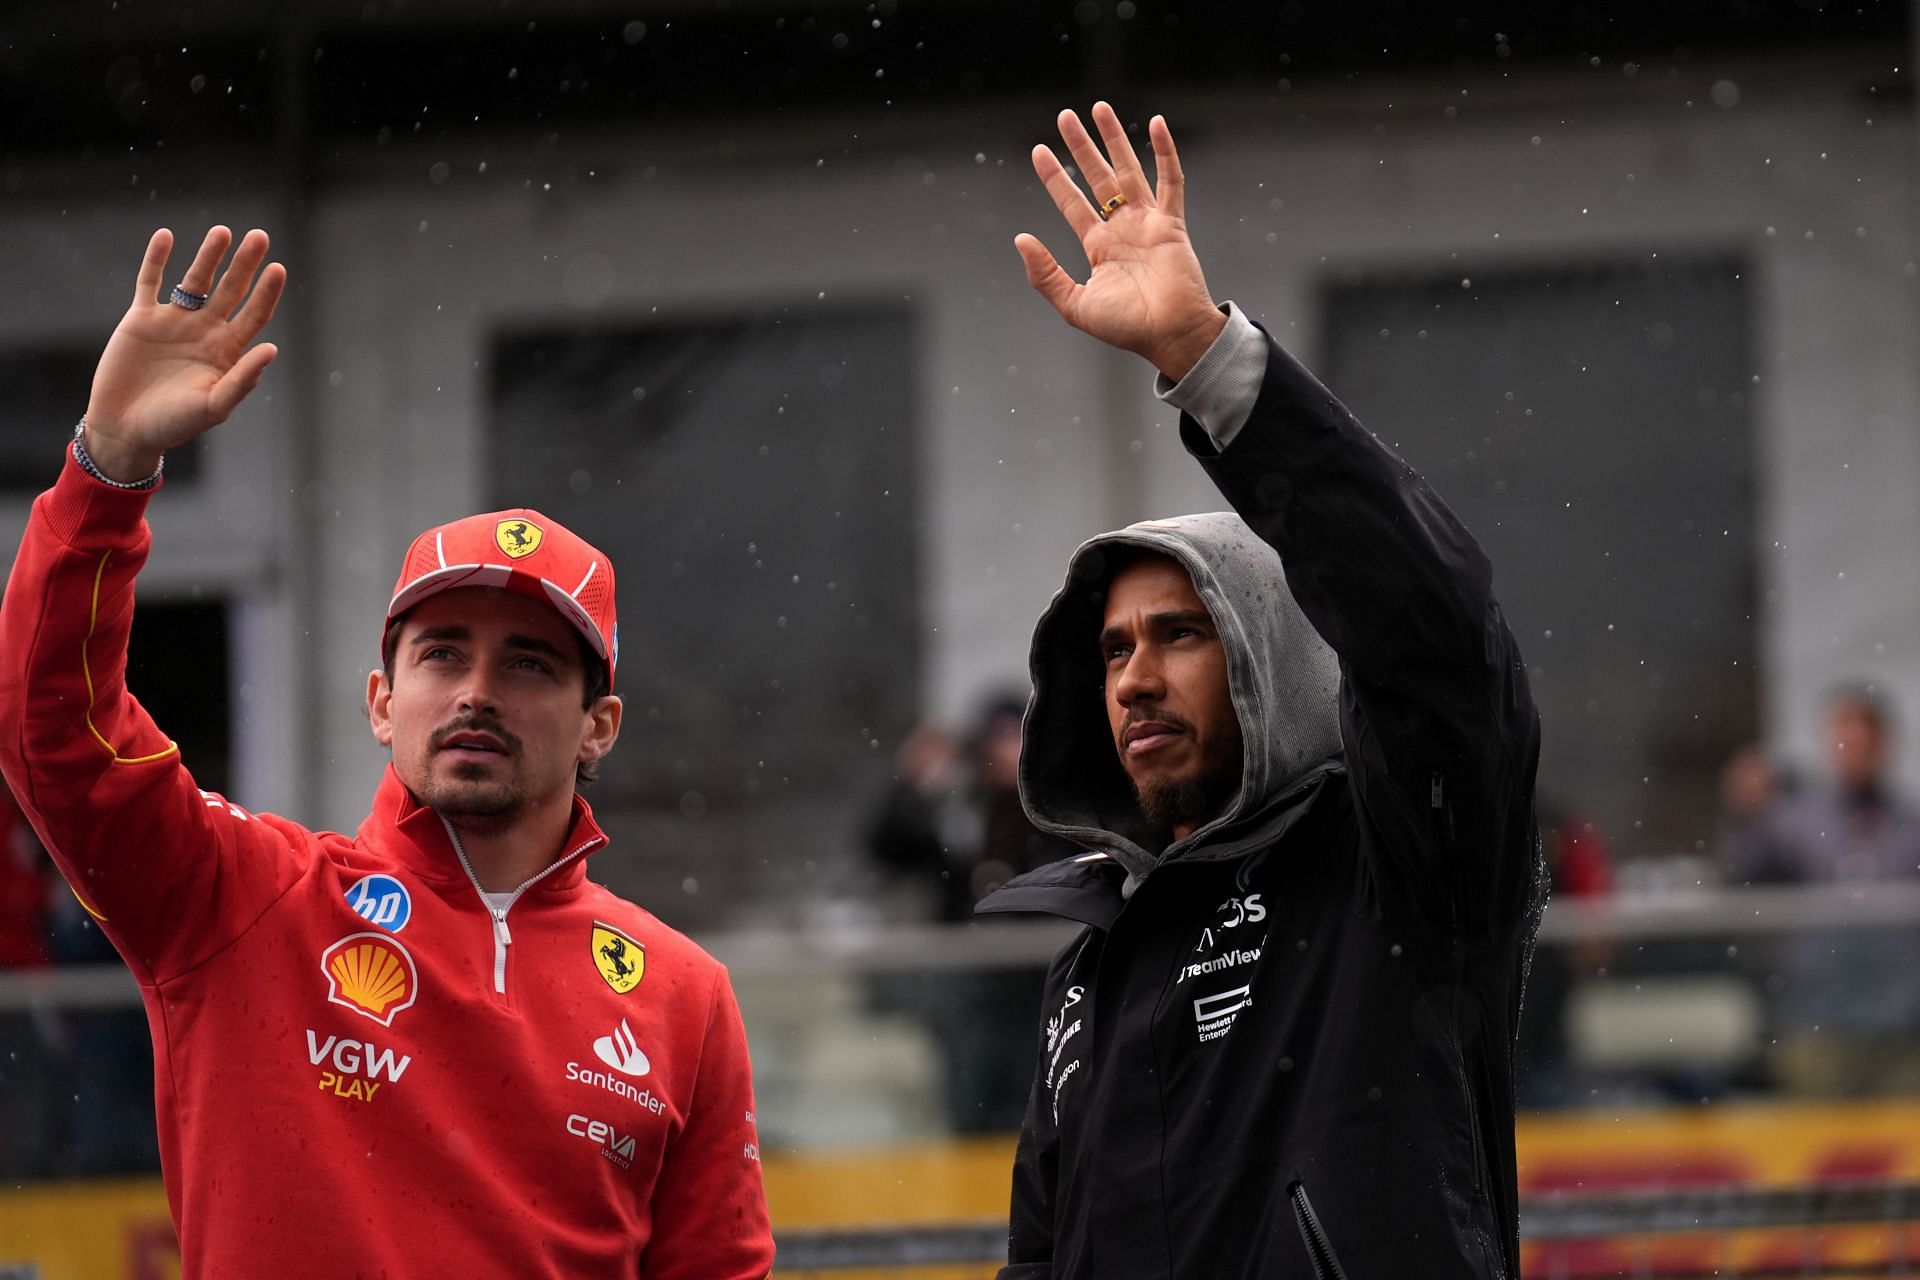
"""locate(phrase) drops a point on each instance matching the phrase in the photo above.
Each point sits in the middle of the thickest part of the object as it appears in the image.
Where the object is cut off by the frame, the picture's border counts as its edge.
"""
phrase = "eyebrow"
(515, 640)
(1159, 621)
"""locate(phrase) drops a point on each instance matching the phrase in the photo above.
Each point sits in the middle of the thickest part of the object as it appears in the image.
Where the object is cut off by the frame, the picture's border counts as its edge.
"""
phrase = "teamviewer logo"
(621, 1051)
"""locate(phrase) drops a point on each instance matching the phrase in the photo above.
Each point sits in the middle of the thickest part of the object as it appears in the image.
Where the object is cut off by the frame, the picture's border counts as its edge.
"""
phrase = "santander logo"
(621, 1051)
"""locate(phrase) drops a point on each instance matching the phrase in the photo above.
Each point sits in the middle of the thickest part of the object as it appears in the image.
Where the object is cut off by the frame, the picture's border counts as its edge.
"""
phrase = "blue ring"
(186, 301)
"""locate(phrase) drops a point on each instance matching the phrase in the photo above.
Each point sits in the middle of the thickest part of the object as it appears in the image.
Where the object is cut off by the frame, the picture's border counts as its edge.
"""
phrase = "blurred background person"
(949, 830)
(1847, 1018)
(950, 826)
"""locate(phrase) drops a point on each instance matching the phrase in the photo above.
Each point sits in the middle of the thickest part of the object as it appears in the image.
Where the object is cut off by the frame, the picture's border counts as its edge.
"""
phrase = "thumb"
(238, 381)
(1045, 275)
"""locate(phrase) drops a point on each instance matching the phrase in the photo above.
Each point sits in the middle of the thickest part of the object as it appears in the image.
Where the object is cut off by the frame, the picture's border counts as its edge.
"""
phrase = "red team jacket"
(360, 1071)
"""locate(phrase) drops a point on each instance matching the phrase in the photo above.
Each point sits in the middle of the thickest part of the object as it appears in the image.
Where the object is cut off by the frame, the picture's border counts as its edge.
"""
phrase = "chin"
(467, 796)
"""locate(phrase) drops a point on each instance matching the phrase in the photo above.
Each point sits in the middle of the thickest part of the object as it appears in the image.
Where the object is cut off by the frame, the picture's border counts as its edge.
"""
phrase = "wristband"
(92, 468)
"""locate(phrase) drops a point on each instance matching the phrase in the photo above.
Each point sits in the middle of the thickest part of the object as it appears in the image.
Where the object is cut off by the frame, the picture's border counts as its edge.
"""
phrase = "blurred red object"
(23, 890)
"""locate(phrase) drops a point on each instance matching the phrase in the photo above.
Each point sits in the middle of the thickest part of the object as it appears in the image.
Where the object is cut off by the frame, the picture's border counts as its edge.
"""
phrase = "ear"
(380, 707)
(603, 727)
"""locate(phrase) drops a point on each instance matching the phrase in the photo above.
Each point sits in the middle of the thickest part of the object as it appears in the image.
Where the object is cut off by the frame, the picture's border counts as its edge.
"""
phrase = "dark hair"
(595, 687)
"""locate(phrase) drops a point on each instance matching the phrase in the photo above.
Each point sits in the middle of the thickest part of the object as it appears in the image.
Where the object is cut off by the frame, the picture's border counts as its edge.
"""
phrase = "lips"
(473, 742)
(1148, 735)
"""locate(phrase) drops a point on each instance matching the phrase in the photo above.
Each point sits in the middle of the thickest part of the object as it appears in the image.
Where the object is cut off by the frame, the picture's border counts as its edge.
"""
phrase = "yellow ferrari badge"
(518, 537)
(621, 960)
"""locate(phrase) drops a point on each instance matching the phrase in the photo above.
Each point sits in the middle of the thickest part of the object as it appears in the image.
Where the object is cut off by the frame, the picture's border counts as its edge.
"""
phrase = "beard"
(1172, 803)
(474, 800)
(474, 803)
(1185, 802)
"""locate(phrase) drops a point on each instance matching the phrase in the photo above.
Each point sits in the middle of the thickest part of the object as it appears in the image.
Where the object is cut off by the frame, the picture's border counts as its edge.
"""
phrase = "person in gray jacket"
(1847, 1029)
(1297, 743)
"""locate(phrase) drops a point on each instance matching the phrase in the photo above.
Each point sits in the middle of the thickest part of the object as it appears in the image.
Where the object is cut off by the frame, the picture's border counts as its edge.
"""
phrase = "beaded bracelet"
(92, 468)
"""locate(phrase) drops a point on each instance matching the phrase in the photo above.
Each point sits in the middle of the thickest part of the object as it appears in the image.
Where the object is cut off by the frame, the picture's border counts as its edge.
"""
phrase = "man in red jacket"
(432, 1048)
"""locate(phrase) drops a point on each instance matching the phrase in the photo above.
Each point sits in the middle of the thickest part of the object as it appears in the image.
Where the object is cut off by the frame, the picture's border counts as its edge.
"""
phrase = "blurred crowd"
(1816, 1012)
(1836, 1011)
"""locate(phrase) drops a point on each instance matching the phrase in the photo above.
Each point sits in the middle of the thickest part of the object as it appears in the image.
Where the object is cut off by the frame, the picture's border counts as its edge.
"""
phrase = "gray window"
(1590, 423)
(753, 479)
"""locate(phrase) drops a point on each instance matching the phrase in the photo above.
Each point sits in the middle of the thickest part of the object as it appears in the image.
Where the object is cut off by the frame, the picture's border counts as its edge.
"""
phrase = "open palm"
(169, 373)
(1145, 291)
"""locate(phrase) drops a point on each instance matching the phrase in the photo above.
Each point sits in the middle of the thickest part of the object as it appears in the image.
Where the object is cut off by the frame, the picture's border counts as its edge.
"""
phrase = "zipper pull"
(1438, 798)
(501, 933)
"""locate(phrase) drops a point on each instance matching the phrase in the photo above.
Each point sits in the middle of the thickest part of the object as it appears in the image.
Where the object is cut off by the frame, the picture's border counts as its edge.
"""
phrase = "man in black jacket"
(1283, 1045)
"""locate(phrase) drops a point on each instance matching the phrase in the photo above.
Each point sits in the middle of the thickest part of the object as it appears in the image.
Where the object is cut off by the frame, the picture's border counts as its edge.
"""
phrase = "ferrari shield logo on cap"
(518, 537)
(621, 960)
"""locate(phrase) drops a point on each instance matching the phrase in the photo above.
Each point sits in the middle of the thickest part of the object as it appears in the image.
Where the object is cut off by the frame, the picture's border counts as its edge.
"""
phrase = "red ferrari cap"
(520, 550)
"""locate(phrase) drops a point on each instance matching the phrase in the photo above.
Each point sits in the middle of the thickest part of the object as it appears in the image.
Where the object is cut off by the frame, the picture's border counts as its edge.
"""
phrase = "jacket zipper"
(1326, 1265)
(503, 936)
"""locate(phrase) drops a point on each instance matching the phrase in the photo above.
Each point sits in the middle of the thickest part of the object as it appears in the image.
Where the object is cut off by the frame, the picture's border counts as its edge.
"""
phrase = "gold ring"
(1108, 205)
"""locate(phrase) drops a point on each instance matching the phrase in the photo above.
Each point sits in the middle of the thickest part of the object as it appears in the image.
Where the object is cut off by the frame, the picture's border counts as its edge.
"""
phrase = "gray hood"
(1284, 679)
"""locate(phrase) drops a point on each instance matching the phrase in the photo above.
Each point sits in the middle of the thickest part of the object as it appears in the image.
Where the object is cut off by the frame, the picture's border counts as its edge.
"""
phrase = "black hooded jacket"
(1283, 1046)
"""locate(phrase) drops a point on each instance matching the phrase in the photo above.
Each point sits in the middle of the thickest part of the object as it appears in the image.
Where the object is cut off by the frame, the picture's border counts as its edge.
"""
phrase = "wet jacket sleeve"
(173, 873)
(1439, 727)
(710, 1203)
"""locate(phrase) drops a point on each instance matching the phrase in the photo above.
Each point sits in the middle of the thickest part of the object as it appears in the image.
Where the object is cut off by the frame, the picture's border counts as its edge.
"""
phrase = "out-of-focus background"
(729, 288)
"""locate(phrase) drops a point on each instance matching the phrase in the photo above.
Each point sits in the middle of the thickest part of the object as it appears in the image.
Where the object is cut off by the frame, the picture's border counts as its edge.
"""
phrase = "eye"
(526, 662)
(435, 652)
(1113, 653)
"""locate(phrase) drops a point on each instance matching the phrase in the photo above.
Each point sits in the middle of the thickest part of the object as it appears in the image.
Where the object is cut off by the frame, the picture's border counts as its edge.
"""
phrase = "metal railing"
(1025, 944)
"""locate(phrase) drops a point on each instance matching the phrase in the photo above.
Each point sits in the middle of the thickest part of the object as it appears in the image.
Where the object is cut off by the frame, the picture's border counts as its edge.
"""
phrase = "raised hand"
(169, 373)
(1145, 293)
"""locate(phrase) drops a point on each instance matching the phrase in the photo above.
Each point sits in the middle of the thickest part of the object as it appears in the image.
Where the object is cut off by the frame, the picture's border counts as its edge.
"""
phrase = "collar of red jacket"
(408, 832)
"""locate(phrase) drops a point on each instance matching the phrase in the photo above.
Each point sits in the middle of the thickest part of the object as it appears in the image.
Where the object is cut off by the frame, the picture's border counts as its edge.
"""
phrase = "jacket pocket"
(1326, 1264)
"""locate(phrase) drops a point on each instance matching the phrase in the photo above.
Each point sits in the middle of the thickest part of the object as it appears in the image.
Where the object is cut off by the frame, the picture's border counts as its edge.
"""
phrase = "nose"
(477, 694)
(1140, 678)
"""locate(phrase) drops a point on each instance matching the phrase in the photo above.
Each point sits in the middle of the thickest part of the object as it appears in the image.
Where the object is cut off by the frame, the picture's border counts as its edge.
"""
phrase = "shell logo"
(371, 974)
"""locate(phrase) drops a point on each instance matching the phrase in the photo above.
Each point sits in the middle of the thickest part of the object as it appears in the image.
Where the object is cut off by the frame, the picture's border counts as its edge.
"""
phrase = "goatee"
(1188, 802)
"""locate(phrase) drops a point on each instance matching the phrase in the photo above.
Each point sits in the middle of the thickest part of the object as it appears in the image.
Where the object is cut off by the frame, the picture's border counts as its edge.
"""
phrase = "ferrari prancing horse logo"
(518, 537)
(621, 960)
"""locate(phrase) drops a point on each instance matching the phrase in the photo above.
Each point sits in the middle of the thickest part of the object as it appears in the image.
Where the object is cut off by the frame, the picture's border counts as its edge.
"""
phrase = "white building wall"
(1032, 437)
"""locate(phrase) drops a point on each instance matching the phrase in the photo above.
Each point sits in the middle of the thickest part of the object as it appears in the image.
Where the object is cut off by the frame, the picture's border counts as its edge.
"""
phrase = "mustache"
(477, 724)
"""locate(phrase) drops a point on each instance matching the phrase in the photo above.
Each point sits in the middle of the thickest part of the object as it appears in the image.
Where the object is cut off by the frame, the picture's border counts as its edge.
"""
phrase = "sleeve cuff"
(1219, 392)
(79, 506)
